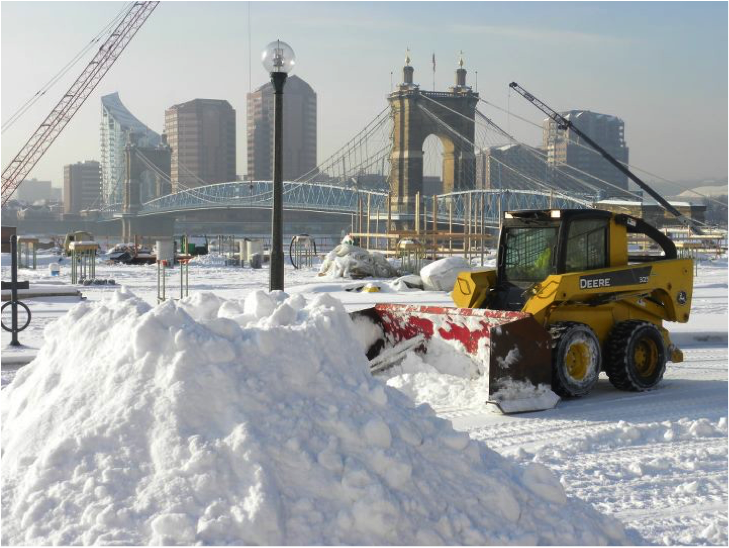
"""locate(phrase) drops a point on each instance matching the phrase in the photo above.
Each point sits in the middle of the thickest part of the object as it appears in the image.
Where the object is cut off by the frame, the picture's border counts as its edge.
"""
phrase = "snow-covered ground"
(657, 461)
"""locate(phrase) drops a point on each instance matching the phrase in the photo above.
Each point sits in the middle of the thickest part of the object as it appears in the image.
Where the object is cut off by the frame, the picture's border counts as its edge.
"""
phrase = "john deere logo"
(633, 276)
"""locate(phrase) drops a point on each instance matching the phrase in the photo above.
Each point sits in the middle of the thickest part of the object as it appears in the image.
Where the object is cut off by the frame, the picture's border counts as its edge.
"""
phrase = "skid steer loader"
(565, 301)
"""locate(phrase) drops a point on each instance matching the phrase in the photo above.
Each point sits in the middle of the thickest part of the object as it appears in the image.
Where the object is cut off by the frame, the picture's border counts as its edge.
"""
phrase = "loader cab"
(534, 244)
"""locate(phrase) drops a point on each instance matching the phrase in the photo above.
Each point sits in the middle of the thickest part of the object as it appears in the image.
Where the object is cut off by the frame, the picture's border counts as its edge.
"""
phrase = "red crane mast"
(19, 168)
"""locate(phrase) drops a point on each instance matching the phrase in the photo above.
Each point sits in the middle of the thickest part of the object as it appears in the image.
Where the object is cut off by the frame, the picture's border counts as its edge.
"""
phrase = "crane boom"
(19, 168)
(563, 124)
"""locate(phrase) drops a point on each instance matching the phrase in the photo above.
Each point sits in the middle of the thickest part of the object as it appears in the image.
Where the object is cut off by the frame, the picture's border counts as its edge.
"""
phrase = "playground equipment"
(28, 248)
(302, 251)
(83, 260)
(78, 236)
(411, 254)
(162, 266)
(194, 245)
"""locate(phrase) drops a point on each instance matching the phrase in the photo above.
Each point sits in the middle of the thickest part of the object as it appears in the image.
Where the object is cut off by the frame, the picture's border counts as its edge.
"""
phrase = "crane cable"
(7, 124)
(530, 122)
(492, 123)
(523, 175)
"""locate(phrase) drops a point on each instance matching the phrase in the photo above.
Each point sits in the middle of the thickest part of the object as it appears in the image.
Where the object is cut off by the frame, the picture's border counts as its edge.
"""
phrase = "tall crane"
(564, 124)
(19, 168)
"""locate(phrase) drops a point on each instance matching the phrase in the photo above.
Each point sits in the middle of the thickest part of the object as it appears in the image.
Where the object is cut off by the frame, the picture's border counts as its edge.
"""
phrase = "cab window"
(586, 245)
(529, 253)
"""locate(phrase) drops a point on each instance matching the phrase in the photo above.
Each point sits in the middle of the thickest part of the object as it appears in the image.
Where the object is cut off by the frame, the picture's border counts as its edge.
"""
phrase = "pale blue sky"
(661, 66)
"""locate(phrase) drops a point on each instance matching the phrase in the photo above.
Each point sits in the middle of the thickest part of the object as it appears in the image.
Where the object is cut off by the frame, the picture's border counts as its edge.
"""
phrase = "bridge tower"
(413, 124)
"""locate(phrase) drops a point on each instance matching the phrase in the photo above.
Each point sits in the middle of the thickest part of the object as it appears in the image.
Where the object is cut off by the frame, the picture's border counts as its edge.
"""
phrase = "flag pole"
(433, 71)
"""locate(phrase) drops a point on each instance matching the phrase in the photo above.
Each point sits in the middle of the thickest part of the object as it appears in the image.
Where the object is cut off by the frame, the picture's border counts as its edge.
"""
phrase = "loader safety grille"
(530, 253)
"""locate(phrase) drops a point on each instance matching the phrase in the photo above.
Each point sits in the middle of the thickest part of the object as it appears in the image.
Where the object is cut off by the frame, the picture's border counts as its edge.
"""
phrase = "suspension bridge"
(380, 170)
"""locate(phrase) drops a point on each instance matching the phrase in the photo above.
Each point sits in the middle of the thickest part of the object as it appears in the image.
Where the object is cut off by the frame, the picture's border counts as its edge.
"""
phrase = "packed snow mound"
(350, 261)
(441, 275)
(250, 422)
(209, 259)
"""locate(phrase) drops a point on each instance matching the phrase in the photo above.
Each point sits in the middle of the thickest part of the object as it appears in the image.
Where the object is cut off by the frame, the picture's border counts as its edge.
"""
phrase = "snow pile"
(441, 275)
(349, 261)
(250, 422)
(409, 282)
(209, 259)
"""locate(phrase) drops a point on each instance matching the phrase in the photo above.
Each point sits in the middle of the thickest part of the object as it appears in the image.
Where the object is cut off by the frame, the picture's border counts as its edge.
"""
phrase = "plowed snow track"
(609, 449)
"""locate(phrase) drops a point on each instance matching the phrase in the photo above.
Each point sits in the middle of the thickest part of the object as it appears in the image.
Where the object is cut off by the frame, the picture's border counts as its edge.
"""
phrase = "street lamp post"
(278, 59)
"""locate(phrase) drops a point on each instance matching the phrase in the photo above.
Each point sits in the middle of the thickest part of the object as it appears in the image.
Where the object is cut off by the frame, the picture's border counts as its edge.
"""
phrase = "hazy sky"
(661, 66)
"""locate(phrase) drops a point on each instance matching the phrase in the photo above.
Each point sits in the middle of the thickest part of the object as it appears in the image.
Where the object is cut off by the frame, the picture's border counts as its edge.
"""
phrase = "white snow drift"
(441, 275)
(250, 422)
(350, 261)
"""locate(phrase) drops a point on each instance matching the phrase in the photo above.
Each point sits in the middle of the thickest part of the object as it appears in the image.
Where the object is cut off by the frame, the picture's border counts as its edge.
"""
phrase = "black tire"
(576, 359)
(635, 356)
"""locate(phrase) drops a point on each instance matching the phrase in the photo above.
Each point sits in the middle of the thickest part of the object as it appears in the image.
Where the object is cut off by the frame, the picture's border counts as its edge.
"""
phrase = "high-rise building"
(81, 186)
(201, 133)
(32, 190)
(565, 149)
(511, 167)
(299, 135)
(116, 124)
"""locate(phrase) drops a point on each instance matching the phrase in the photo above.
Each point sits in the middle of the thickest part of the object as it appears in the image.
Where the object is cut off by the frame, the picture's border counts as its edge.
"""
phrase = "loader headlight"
(555, 214)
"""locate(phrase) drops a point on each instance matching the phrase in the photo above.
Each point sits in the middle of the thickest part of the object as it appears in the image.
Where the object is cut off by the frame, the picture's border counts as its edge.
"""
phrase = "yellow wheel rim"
(577, 360)
(645, 357)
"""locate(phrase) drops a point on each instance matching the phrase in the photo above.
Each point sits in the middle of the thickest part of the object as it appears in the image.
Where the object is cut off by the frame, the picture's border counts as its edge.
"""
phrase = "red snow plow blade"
(510, 347)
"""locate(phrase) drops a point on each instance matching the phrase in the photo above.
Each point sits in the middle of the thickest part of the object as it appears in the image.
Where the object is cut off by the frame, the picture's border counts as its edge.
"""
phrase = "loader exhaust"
(510, 347)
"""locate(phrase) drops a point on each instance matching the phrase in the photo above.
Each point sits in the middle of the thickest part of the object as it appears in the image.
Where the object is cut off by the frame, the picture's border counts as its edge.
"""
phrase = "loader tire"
(576, 358)
(635, 356)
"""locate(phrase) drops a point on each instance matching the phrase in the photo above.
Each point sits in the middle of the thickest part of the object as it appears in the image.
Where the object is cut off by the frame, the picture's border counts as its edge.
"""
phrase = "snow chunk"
(441, 275)
(540, 480)
(350, 261)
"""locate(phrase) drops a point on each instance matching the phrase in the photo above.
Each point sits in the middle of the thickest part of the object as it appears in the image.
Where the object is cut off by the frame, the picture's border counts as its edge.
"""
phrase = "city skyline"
(660, 67)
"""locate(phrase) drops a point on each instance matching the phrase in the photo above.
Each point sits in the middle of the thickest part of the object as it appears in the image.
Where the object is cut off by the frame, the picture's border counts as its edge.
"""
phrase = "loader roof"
(556, 213)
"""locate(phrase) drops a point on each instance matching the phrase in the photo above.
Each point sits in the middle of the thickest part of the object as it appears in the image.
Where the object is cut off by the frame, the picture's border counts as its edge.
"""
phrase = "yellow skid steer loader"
(565, 301)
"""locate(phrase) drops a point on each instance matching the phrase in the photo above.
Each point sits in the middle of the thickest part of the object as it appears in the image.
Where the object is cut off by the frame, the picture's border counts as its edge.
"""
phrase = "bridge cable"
(521, 174)
(543, 185)
(499, 129)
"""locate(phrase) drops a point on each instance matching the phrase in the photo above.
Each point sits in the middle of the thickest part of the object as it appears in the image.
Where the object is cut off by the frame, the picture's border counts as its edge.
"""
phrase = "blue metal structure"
(327, 198)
